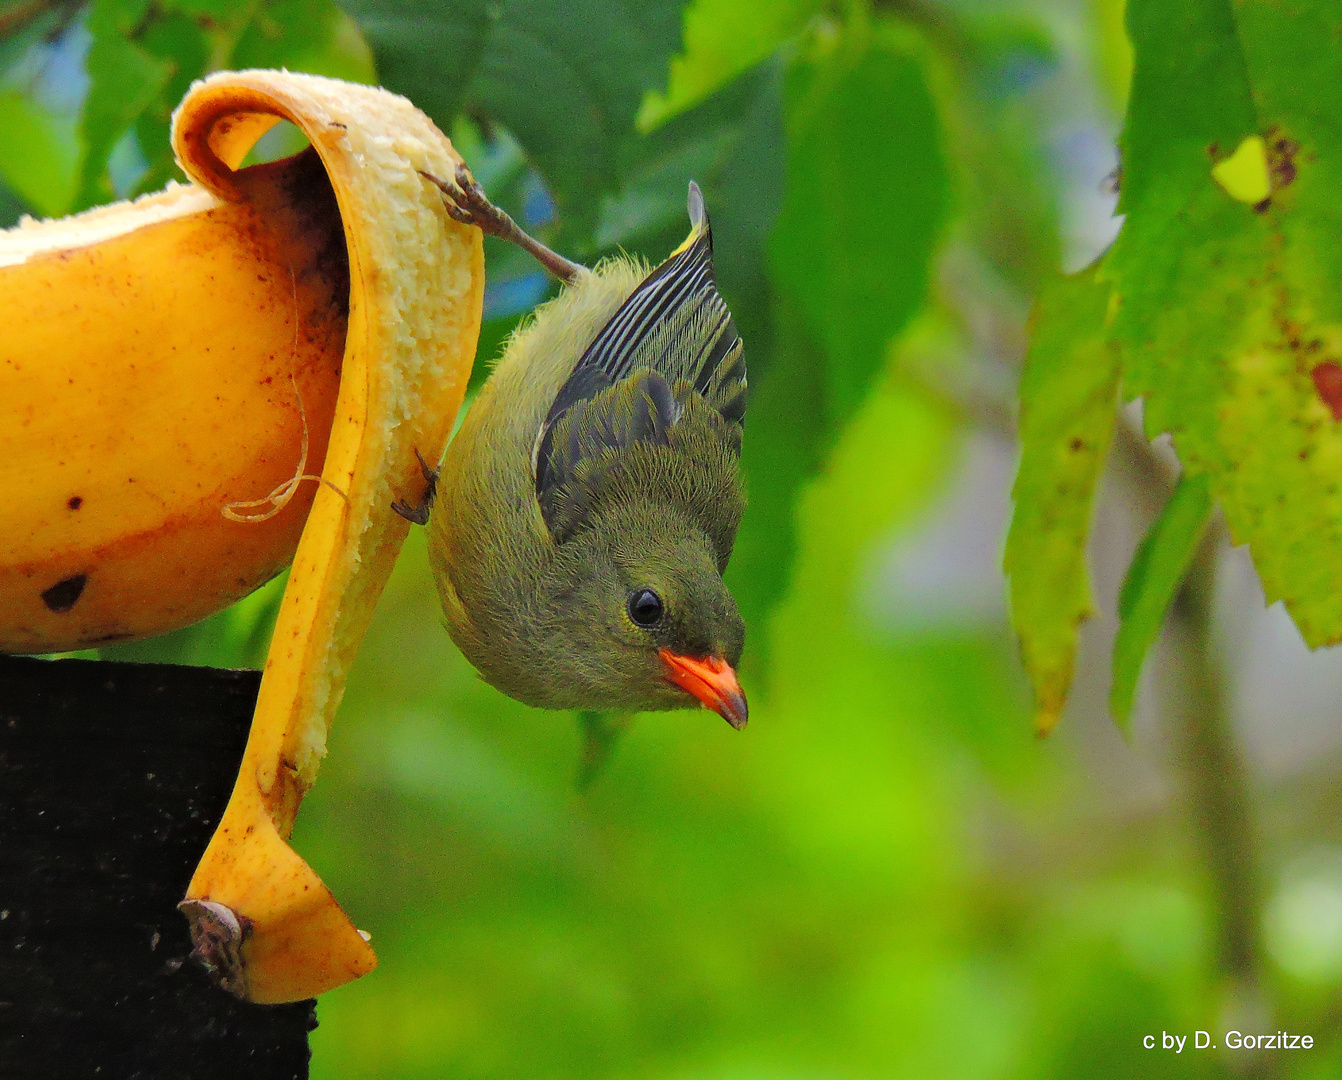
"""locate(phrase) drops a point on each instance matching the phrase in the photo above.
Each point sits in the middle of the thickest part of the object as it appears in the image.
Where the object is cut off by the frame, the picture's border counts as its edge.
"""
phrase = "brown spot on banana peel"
(63, 596)
(416, 288)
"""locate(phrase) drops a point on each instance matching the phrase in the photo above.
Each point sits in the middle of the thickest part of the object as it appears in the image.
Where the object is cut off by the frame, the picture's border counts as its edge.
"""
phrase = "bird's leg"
(420, 514)
(466, 202)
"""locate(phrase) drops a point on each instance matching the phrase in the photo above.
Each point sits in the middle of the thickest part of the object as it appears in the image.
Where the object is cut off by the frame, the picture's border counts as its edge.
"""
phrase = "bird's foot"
(465, 201)
(419, 515)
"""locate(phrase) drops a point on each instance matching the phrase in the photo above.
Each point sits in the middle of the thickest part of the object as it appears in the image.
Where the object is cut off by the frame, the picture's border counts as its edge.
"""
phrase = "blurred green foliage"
(886, 875)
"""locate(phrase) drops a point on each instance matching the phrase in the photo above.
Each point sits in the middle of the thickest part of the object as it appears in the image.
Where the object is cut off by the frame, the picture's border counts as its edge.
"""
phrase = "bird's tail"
(699, 225)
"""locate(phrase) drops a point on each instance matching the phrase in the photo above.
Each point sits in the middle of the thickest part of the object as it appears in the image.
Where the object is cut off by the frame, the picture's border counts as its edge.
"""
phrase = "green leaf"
(723, 39)
(786, 442)
(647, 214)
(1068, 395)
(1006, 188)
(313, 36)
(851, 265)
(867, 194)
(566, 86)
(429, 51)
(182, 44)
(144, 57)
(124, 79)
(735, 145)
(217, 10)
(1153, 579)
(38, 158)
(12, 207)
(1230, 314)
(747, 192)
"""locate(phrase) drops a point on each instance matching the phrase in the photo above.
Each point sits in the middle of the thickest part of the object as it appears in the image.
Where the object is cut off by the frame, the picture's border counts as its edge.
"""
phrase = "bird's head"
(648, 618)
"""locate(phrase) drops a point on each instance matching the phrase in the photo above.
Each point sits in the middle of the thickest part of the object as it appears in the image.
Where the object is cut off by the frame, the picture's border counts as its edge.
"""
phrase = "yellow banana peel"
(163, 359)
(152, 360)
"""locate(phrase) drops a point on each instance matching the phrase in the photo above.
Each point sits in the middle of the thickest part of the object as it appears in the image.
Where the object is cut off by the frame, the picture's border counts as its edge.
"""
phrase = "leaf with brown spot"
(1328, 382)
(1227, 313)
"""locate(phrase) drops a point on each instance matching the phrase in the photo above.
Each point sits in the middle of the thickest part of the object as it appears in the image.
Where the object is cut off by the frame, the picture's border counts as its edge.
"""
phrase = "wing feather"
(673, 331)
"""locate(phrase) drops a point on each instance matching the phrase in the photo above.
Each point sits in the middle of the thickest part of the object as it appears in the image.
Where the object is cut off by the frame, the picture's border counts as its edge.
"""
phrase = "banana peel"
(416, 293)
(373, 380)
(157, 362)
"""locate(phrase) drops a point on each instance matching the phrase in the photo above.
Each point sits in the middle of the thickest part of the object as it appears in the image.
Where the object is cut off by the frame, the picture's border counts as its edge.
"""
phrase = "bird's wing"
(672, 335)
(586, 442)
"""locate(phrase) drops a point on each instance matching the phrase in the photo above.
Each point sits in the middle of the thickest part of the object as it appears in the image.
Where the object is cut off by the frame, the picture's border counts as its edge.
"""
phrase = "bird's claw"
(465, 201)
(456, 213)
(419, 515)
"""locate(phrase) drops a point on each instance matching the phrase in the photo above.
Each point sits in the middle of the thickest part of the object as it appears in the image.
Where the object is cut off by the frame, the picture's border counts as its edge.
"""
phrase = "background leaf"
(1154, 576)
(723, 38)
(124, 79)
(567, 88)
(850, 265)
(854, 259)
(787, 444)
(142, 57)
(306, 35)
(1068, 397)
(37, 158)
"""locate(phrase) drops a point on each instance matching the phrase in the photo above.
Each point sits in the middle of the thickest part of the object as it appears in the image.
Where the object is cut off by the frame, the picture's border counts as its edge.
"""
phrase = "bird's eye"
(645, 607)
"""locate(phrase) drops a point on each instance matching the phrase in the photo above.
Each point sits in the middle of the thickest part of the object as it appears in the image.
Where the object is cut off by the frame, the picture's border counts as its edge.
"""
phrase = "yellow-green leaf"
(1068, 394)
(1230, 306)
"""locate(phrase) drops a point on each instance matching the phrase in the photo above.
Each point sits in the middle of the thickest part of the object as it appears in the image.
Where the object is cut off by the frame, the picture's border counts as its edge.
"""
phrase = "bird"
(588, 505)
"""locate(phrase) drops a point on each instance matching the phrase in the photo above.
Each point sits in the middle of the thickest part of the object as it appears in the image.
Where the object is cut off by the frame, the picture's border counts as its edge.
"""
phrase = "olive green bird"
(593, 493)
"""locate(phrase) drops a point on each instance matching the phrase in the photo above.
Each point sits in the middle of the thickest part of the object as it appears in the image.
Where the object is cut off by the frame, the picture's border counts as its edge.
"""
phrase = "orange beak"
(712, 681)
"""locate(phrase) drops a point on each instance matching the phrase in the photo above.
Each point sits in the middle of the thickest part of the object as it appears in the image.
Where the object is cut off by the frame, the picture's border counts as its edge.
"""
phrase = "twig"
(1219, 800)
